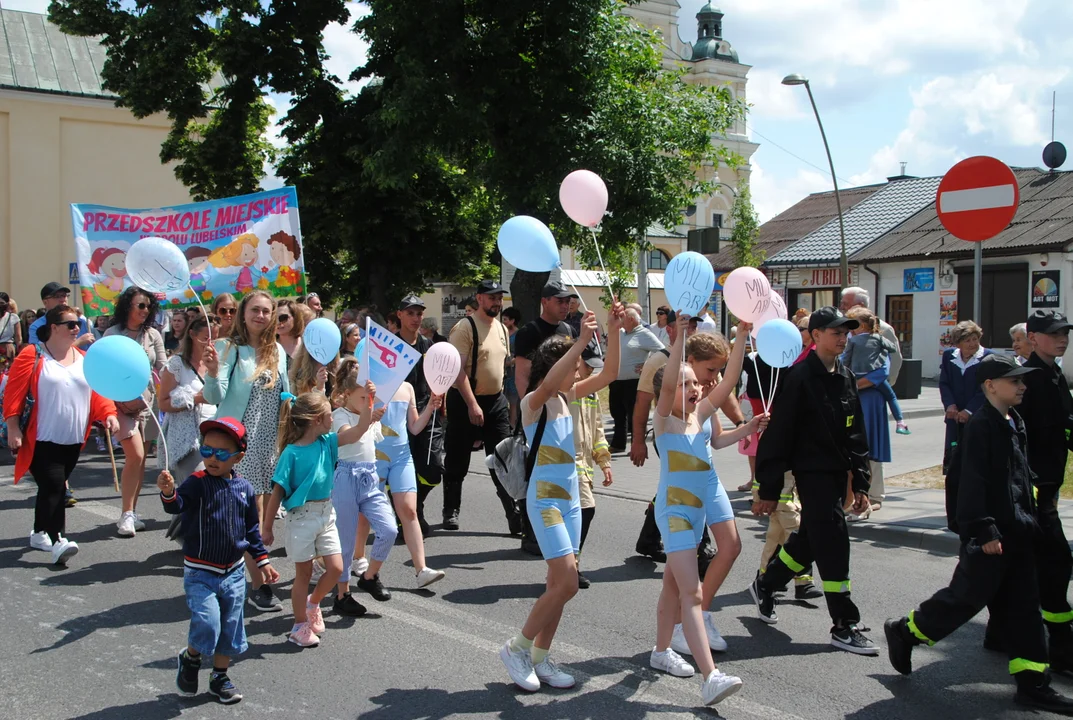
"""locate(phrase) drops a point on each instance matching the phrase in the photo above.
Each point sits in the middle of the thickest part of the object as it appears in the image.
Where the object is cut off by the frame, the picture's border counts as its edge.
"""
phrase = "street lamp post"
(796, 79)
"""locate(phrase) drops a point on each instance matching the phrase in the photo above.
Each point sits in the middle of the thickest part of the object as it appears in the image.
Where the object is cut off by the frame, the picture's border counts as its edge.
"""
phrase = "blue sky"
(927, 82)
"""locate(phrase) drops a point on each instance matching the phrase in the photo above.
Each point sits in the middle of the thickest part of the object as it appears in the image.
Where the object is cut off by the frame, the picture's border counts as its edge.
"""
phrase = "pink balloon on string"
(441, 366)
(776, 311)
(747, 293)
(583, 196)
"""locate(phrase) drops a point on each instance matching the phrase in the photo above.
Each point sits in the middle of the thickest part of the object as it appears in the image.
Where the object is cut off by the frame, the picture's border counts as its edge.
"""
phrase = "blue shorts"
(216, 603)
(680, 514)
(556, 521)
(717, 507)
(397, 474)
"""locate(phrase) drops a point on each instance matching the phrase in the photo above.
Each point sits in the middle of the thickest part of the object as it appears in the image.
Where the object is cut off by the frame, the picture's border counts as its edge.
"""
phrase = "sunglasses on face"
(283, 317)
(71, 324)
(221, 454)
(660, 312)
(226, 311)
(142, 306)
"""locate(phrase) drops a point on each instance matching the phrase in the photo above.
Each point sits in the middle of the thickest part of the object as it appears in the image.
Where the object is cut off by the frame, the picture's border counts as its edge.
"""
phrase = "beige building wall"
(56, 150)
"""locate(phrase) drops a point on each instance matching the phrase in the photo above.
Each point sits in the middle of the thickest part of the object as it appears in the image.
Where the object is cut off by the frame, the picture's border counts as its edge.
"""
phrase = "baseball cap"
(556, 290)
(52, 288)
(591, 357)
(996, 366)
(411, 301)
(829, 317)
(489, 287)
(1047, 321)
(229, 426)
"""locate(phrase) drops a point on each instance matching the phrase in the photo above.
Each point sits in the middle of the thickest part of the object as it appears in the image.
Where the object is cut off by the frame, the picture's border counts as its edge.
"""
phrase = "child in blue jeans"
(868, 351)
(213, 545)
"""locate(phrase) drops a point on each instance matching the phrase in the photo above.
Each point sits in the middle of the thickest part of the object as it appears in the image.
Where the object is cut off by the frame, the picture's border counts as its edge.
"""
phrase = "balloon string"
(581, 300)
(599, 257)
(681, 379)
(203, 310)
(432, 434)
(163, 441)
(759, 385)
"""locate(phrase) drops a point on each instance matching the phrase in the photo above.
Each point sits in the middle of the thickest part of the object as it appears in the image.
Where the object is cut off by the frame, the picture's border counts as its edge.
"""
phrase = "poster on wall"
(1045, 292)
(918, 280)
(948, 316)
(234, 245)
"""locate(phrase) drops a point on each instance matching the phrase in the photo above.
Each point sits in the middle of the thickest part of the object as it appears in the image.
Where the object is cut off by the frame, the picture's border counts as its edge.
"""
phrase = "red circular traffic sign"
(977, 198)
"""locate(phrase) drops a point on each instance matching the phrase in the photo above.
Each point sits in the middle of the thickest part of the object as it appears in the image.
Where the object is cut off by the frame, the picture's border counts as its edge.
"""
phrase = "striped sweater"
(220, 522)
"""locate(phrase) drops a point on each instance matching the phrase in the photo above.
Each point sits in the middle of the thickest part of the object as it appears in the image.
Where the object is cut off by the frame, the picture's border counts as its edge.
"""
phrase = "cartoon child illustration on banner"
(286, 252)
(197, 257)
(109, 262)
(240, 253)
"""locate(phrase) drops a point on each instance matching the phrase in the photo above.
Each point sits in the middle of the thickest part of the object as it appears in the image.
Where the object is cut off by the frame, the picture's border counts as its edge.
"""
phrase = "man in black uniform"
(996, 518)
(817, 432)
(554, 306)
(429, 466)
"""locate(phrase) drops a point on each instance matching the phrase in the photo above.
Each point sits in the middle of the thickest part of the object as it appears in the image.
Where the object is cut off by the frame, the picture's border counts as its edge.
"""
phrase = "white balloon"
(157, 265)
(322, 340)
(441, 367)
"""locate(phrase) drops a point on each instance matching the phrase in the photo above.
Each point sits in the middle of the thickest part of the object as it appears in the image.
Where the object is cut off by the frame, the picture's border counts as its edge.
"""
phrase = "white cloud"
(34, 6)
(770, 98)
(772, 195)
(346, 50)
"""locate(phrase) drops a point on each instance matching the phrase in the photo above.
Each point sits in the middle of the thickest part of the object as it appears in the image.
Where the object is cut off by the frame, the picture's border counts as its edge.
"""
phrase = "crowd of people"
(261, 434)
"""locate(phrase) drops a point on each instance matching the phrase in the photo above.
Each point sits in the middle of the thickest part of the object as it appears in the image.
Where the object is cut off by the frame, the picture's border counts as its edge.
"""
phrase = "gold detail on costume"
(551, 455)
(678, 461)
(550, 491)
(381, 455)
(551, 516)
(388, 432)
(681, 496)
(678, 524)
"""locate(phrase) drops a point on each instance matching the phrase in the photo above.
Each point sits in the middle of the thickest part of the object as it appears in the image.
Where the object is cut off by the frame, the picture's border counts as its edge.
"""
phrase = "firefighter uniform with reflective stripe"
(817, 433)
(590, 451)
(782, 523)
(994, 503)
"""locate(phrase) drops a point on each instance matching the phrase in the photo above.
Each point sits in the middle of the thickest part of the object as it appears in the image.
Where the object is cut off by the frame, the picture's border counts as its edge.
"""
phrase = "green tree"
(746, 230)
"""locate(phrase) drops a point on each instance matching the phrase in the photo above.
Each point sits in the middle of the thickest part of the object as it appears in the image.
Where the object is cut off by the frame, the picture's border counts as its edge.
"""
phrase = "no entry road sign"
(977, 198)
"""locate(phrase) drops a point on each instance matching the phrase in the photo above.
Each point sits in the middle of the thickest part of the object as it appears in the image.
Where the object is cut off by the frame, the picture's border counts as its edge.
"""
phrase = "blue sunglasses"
(221, 454)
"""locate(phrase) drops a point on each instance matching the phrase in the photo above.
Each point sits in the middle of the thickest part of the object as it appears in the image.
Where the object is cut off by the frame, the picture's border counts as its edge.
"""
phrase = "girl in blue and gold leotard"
(552, 500)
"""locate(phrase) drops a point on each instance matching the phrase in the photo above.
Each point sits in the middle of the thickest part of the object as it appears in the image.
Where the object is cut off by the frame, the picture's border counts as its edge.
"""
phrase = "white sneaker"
(715, 639)
(40, 541)
(62, 550)
(520, 668)
(718, 687)
(550, 674)
(125, 527)
(671, 662)
(427, 576)
(678, 641)
(358, 566)
(318, 572)
(138, 524)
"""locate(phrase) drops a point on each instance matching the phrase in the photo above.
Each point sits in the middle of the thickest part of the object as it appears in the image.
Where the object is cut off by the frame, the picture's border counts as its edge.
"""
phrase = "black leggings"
(50, 467)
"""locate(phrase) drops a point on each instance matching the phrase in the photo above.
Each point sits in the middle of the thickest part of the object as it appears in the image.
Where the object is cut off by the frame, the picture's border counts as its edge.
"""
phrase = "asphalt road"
(98, 640)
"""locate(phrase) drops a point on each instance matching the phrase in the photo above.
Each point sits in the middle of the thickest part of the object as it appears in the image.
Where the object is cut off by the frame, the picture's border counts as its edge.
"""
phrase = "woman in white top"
(10, 333)
(134, 315)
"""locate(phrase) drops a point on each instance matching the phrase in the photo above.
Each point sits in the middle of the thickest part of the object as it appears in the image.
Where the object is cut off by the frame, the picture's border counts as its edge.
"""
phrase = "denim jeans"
(216, 603)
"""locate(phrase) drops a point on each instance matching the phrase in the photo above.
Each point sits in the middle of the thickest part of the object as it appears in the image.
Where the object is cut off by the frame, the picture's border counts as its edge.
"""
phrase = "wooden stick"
(111, 455)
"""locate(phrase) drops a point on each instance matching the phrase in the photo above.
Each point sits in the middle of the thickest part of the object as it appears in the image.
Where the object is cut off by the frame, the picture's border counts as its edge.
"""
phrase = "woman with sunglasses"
(224, 307)
(48, 441)
(184, 407)
(290, 324)
(134, 315)
(351, 338)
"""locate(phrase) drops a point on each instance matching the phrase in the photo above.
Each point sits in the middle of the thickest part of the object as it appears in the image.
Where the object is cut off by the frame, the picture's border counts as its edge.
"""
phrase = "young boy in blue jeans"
(210, 500)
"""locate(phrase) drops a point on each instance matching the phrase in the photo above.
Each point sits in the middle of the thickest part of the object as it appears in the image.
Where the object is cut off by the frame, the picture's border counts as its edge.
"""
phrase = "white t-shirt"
(62, 402)
(364, 450)
(188, 380)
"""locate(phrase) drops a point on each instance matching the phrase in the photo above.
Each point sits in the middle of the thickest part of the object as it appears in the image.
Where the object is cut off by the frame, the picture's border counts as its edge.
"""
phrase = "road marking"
(986, 198)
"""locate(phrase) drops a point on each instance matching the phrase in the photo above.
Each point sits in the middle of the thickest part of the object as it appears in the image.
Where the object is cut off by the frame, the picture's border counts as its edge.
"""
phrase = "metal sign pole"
(977, 295)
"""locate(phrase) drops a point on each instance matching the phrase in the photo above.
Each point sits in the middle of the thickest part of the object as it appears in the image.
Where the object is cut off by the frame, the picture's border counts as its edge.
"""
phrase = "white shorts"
(311, 532)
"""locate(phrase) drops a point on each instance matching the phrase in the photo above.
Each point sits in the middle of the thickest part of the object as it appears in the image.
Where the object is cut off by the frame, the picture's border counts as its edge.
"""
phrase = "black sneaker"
(221, 687)
(514, 524)
(186, 677)
(899, 645)
(651, 551)
(348, 606)
(850, 639)
(69, 499)
(808, 591)
(450, 520)
(531, 547)
(765, 602)
(263, 599)
(583, 582)
(1034, 690)
(374, 587)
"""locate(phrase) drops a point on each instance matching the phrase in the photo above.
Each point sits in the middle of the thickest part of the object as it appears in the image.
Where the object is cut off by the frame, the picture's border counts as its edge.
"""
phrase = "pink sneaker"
(304, 636)
(315, 617)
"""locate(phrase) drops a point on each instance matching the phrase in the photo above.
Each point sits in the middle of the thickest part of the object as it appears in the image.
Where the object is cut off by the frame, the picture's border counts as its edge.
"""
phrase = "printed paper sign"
(386, 359)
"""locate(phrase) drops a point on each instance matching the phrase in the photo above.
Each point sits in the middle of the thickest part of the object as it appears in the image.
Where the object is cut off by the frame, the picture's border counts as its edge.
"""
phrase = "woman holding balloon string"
(48, 441)
(247, 372)
(134, 315)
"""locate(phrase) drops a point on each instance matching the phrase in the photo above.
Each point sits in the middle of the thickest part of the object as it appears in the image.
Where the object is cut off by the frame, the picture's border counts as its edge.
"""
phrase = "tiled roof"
(865, 222)
(35, 55)
(656, 230)
(1044, 221)
(797, 221)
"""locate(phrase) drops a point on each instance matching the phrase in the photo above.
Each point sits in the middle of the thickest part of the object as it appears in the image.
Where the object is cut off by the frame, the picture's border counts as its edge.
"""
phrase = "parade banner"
(234, 245)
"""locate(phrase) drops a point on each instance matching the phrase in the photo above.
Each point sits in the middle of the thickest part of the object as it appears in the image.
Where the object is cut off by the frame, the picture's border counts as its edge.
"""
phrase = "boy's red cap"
(229, 426)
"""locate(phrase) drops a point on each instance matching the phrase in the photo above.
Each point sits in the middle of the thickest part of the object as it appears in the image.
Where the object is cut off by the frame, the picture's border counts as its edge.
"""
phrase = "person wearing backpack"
(553, 498)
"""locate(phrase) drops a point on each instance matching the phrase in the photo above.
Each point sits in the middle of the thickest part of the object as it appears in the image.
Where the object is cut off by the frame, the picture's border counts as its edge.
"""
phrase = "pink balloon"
(747, 293)
(583, 196)
(776, 311)
(442, 364)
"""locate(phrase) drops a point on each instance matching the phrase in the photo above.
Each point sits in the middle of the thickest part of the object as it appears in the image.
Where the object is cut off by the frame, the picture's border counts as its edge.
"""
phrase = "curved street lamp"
(797, 79)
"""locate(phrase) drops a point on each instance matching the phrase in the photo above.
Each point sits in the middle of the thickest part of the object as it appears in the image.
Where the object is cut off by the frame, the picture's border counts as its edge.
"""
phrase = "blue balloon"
(322, 340)
(527, 244)
(778, 342)
(688, 282)
(117, 368)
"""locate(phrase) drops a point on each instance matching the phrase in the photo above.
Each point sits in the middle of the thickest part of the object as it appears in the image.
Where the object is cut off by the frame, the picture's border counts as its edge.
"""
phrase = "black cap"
(997, 365)
(411, 301)
(1047, 321)
(489, 287)
(556, 290)
(591, 356)
(52, 288)
(829, 317)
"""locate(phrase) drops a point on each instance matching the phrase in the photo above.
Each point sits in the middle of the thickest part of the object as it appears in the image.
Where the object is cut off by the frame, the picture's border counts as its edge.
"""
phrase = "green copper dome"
(710, 43)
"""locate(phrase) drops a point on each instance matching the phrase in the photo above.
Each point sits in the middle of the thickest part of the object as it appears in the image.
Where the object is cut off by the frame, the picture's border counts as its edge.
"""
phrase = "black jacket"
(816, 427)
(995, 483)
(1047, 410)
